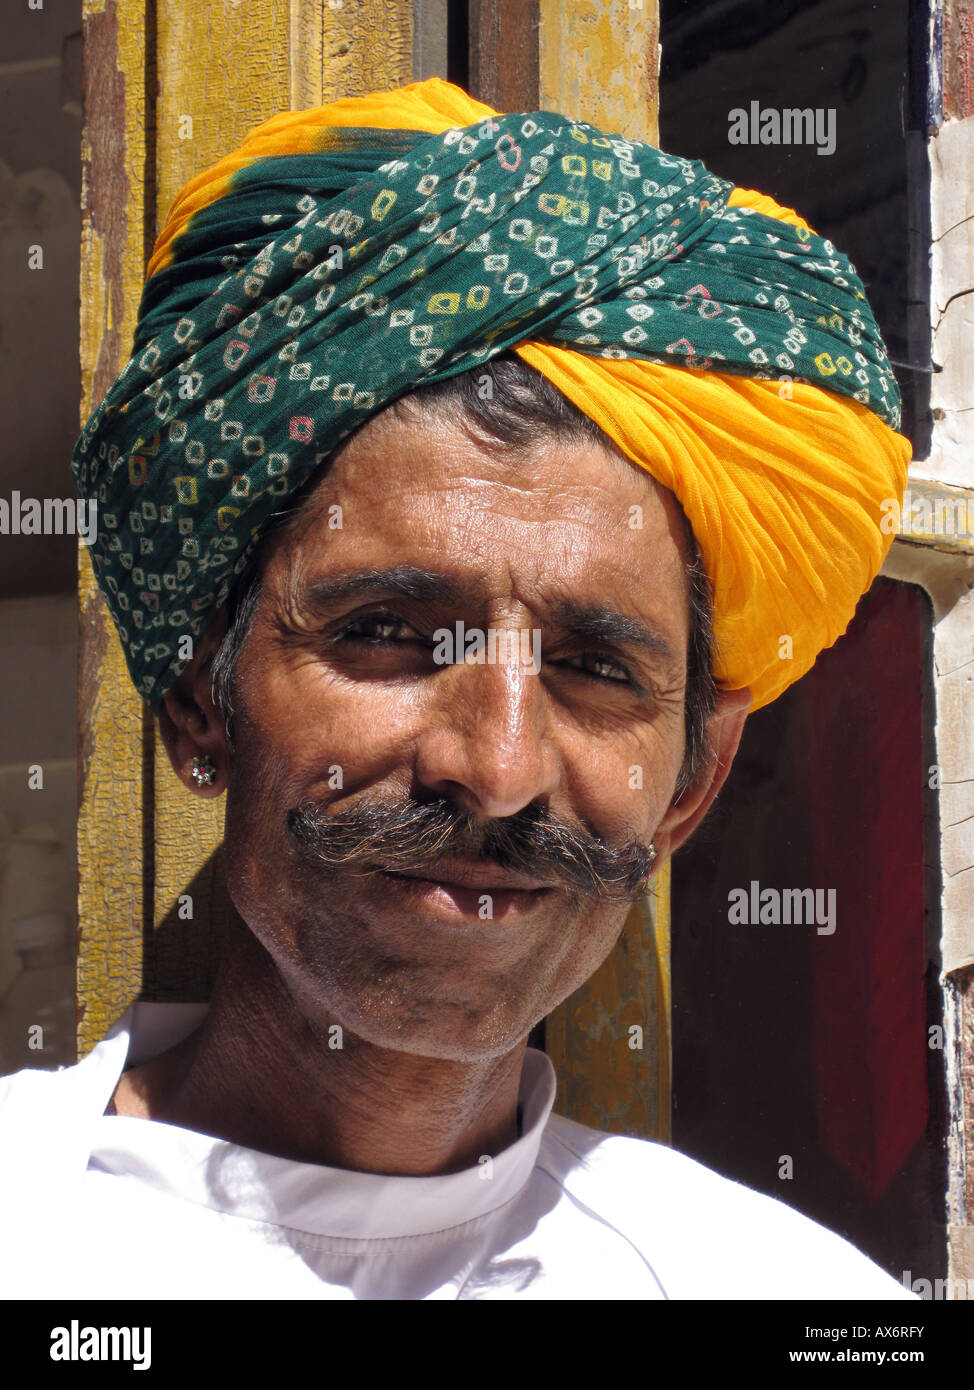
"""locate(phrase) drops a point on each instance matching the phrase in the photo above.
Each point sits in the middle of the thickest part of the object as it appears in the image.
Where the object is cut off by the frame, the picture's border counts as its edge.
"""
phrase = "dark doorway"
(807, 1036)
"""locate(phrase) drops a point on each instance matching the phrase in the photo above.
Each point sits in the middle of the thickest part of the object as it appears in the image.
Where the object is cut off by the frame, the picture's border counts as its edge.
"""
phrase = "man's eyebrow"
(406, 581)
(598, 624)
(592, 622)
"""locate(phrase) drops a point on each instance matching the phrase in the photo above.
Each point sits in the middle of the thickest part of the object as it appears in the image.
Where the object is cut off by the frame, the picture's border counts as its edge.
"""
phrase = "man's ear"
(688, 809)
(190, 724)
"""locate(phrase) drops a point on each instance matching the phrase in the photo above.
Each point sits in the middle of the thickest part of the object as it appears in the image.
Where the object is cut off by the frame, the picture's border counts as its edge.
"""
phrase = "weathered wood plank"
(935, 514)
(610, 1041)
(348, 47)
(222, 70)
(504, 55)
(110, 770)
(599, 61)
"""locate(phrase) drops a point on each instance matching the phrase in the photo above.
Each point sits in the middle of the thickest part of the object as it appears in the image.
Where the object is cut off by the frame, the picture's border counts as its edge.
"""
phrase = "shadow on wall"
(182, 955)
(38, 817)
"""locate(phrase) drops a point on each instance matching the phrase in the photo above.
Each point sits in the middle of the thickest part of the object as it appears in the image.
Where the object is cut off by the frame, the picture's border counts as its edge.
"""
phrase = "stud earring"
(203, 771)
(649, 873)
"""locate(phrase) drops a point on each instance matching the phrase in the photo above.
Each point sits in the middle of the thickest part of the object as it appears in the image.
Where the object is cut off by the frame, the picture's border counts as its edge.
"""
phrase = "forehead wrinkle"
(486, 482)
(508, 464)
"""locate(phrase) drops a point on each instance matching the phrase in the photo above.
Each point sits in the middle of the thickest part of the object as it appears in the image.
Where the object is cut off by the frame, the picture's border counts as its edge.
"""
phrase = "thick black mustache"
(415, 834)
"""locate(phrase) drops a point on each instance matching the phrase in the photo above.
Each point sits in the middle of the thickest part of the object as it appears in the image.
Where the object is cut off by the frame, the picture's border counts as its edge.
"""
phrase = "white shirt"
(109, 1207)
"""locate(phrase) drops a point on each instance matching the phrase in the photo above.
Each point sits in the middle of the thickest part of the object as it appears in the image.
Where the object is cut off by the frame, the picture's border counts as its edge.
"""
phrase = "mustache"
(414, 835)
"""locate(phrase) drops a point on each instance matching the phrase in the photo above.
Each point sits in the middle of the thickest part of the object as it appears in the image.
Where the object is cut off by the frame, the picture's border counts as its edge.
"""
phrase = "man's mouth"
(474, 889)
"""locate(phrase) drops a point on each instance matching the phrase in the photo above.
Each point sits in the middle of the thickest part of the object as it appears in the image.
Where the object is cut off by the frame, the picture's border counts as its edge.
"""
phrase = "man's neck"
(259, 1072)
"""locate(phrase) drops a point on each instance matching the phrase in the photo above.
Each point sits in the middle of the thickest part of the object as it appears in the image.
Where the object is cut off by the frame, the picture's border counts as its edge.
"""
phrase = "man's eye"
(375, 629)
(378, 628)
(604, 668)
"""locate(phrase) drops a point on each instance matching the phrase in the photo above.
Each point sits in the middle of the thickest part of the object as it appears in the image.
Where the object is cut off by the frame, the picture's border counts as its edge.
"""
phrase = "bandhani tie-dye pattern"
(305, 290)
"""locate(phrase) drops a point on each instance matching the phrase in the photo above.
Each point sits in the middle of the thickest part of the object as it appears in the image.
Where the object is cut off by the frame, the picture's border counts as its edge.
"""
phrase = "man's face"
(339, 704)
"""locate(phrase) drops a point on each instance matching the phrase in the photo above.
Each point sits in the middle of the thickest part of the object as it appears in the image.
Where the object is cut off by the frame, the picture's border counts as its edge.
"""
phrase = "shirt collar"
(310, 1197)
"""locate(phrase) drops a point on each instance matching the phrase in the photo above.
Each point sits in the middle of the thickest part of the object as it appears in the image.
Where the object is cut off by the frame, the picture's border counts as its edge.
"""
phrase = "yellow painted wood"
(110, 814)
(938, 515)
(110, 887)
(217, 80)
(346, 47)
(306, 41)
(599, 62)
(610, 1041)
(661, 909)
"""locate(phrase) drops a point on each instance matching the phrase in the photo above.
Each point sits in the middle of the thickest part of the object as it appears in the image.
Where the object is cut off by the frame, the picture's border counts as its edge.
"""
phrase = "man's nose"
(488, 742)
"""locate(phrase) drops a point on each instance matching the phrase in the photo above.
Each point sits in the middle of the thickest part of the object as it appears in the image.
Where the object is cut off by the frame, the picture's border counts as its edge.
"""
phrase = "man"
(323, 471)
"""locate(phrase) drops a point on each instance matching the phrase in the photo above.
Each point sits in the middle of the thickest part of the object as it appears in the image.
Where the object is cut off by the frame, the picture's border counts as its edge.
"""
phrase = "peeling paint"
(958, 59)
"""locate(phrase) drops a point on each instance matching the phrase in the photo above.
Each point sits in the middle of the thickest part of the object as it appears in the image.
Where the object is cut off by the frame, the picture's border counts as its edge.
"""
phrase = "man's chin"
(435, 1047)
(450, 1036)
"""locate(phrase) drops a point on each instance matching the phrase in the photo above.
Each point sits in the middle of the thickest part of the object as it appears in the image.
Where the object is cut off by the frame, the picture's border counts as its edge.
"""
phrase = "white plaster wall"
(952, 302)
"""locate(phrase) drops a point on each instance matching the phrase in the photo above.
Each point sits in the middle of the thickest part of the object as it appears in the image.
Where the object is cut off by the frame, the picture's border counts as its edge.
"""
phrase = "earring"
(203, 771)
(652, 860)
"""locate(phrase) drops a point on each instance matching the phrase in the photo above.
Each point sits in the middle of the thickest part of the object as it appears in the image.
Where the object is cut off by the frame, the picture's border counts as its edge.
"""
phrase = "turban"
(346, 254)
